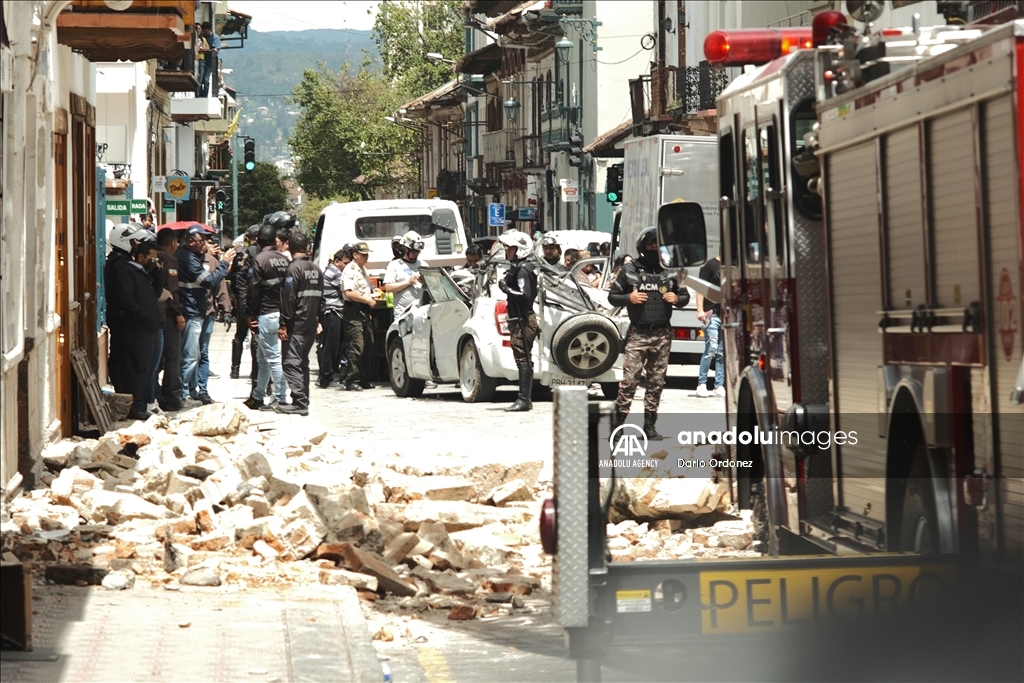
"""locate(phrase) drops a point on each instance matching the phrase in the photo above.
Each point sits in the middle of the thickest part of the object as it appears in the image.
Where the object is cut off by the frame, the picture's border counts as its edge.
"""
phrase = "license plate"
(767, 600)
(559, 380)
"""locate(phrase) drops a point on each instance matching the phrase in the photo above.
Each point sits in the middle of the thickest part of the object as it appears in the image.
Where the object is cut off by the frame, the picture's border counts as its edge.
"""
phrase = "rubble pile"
(214, 498)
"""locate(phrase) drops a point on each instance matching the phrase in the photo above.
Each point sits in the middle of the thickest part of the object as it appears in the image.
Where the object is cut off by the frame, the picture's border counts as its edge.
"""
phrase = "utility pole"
(234, 180)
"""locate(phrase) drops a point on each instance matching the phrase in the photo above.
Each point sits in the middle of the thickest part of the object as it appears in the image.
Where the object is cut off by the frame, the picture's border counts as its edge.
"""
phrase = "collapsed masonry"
(212, 497)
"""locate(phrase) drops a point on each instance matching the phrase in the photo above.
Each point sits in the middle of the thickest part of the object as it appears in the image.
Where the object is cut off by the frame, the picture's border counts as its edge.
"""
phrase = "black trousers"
(238, 343)
(138, 365)
(170, 387)
(329, 353)
(358, 342)
(295, 362)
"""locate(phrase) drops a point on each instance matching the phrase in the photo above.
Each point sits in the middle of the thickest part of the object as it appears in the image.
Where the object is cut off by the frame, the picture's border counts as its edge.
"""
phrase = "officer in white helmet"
(402, 276)
(520, 286)
(122, 239)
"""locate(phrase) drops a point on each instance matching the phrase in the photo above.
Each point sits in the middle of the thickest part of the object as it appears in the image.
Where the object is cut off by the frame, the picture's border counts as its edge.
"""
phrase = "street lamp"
(564, 49)
(512, 109)
(437, 57)
(459, 145)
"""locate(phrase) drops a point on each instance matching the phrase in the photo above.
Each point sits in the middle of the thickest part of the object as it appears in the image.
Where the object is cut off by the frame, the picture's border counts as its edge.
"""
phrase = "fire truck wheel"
(919, 526)
(586, 345)
(401, 383)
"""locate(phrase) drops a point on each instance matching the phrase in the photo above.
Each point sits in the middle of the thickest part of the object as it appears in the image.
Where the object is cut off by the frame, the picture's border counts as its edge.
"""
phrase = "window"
(806, 202)
(752, 197)
(772, 179)
(386, 227)
(727, 183)
(440, 287)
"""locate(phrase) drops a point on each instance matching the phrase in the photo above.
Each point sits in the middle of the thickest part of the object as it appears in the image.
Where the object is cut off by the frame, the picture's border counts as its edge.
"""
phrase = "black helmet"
(252, 233)
(647, 236)
(266, 235)
(280, 220)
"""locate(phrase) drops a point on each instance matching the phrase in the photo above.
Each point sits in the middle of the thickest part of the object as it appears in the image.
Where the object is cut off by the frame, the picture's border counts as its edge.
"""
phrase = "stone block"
(263, 549)
(343, 577)
(455, 515)
(200, 576)
(387, 579)
(178, 483)
(221, 483)
(301, 508)
(259, 504)
(358, 529)
(219, 419)
(254, 465)
(218, 540)
(440, 582)
(298, 539)
(513, 491)
(137, 433)
(400, 547)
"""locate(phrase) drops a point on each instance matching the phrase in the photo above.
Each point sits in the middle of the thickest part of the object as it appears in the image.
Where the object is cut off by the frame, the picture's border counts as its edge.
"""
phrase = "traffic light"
(577, 159)
(250, 154)
(222, 201)
(613, 184)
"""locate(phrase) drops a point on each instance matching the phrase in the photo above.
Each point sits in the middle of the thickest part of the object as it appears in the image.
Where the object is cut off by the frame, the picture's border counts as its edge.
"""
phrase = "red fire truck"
(872, 248)
(872, 252)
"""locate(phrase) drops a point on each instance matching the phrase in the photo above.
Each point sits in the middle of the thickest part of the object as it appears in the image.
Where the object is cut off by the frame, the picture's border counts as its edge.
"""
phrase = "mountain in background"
(271, 64)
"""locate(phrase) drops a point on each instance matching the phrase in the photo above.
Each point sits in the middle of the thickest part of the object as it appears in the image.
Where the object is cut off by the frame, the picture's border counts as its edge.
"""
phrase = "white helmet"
(122, 236)
(515, 238)
(412, 240)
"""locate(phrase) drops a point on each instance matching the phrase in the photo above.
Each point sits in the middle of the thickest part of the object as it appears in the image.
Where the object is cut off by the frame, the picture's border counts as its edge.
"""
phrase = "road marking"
(435, 666)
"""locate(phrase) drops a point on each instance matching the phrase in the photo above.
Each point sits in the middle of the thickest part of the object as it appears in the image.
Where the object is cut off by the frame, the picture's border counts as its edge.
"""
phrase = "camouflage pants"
(522, 345)
(646, 349)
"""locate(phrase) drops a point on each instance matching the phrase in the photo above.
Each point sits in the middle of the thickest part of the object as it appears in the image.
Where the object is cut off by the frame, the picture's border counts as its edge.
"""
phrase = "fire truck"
(872, 250)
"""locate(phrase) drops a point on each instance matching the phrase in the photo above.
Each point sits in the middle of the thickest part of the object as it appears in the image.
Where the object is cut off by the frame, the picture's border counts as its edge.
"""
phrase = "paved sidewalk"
(313, 634)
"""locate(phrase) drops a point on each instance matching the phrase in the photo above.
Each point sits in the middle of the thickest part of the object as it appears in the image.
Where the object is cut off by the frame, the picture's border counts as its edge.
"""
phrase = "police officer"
(402, 276)
(238, 273)
(169, 398)
(262, 294)
(552, 253)
(332, 308)
(520, 286)
(138, 318)
(649, 296)
(122, 240)
(300, 307)
(360, 298)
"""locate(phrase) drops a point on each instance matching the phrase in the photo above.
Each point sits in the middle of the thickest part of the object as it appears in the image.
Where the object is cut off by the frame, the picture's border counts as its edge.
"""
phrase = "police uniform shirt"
(355, 278)
(401, 270)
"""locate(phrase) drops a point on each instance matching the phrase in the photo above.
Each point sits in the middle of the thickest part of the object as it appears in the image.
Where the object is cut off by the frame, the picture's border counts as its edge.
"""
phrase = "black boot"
(618, 418)
(523, 402)
(649, 420)
(236, 356)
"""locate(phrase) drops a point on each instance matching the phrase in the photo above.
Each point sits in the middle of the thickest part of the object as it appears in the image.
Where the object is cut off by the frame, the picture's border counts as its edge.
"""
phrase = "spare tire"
(586, 345)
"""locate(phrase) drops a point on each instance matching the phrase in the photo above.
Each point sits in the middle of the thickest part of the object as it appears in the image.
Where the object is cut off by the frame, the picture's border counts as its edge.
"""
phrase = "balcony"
(529, 156)
(185, 109)
(498, 148)
(148, 29)
(179, 76)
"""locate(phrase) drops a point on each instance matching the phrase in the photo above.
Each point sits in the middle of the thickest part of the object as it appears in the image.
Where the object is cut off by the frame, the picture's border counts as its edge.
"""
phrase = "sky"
(298, 15)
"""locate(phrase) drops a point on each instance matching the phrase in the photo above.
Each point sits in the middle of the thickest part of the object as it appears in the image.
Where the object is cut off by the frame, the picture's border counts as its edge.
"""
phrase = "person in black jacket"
(649, 295)
(262, 296)
(300, 308)
(238, 273)
(122, 240)
(520, 286)
(169, 396)
(139, 318)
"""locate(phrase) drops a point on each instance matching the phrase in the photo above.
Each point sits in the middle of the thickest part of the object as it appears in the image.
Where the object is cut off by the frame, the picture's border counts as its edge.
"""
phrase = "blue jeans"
(203, 371)
(712, 351)
(268, 355)
(190, 354)
(157, 357)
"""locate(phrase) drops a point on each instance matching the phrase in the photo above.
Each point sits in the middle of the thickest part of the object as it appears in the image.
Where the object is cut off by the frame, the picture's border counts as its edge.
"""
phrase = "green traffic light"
(250, 165)
(613, 196)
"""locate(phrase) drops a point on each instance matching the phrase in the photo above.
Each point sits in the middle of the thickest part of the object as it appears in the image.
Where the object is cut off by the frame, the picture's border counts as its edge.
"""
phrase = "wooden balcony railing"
(148, 29)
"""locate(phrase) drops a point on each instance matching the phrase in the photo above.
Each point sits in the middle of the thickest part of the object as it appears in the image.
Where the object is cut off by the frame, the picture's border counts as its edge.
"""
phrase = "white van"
(375, 222)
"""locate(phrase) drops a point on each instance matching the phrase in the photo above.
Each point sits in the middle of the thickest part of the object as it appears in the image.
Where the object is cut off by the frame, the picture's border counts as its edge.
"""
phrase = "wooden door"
(63, 336)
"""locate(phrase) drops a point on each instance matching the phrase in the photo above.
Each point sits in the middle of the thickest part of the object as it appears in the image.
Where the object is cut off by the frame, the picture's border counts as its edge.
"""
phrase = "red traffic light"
(754, 46)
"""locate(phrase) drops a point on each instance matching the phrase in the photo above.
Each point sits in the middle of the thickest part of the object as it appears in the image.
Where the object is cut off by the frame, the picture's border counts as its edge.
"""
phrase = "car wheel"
(586, 346)
(476, 386)
(401, 383)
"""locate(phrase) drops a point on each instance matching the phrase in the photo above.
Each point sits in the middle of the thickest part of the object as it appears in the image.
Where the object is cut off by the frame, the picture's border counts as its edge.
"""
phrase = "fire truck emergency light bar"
(759, 46)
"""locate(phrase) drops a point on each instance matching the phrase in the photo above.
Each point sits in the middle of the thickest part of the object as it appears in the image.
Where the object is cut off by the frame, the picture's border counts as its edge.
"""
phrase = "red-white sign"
(1006, 314)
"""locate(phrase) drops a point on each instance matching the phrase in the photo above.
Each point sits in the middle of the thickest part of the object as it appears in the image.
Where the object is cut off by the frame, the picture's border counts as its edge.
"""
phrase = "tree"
(342, 135)
(260, 191)
(406, 31)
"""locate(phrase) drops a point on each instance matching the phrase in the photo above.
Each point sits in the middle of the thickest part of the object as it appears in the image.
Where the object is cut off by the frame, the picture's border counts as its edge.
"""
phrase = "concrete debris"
(210, 499)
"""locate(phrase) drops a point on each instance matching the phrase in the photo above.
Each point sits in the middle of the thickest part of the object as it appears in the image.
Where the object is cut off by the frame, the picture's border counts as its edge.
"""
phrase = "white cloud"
(299, 15)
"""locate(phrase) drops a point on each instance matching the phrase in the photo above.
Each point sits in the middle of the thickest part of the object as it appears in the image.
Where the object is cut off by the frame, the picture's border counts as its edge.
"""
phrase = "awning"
(484, 61)
(604, 145)
(488, 8)
(446, 94)
(512, 16)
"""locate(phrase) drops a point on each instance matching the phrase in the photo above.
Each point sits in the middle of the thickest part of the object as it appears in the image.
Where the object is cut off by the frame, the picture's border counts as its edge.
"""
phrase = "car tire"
(398, 372)
(476, 386)
(586, 346)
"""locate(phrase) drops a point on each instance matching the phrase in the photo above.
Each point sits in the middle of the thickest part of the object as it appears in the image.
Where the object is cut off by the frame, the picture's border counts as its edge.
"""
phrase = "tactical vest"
(654, 311)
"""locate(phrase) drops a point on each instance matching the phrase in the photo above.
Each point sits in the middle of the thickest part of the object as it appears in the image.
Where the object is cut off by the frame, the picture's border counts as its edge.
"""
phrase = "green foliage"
(406, 31)
(309, 212)
(342, 136)
(260, 192)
